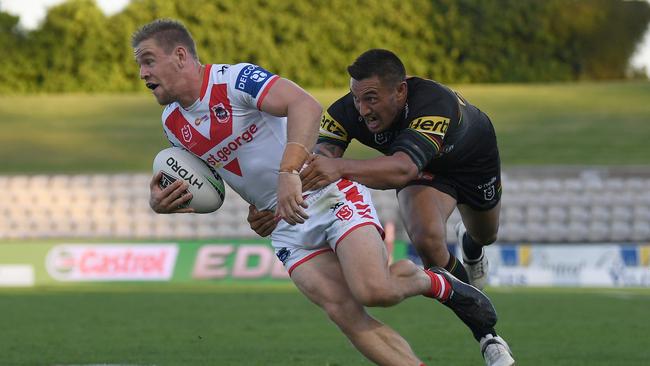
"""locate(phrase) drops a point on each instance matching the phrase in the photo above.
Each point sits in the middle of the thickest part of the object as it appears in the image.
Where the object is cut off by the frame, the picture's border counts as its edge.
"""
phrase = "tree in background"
(78, 48)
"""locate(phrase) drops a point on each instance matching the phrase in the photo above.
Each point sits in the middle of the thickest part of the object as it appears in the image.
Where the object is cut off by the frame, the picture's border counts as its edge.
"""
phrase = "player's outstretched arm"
(384, 172)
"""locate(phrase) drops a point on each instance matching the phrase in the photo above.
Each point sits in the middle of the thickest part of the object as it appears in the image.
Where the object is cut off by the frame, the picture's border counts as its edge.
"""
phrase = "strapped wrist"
(292, 172)
(295, 155)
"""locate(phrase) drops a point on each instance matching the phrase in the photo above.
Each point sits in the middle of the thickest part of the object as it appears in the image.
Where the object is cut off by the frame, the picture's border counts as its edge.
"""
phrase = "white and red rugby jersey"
(226, 129)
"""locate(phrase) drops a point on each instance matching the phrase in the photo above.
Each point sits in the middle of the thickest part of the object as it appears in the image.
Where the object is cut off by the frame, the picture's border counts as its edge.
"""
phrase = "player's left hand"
(262, 222)
(290, 205)
(319, 172)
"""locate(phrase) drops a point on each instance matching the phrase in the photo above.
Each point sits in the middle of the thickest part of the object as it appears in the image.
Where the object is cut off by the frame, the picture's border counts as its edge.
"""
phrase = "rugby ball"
(206, 186)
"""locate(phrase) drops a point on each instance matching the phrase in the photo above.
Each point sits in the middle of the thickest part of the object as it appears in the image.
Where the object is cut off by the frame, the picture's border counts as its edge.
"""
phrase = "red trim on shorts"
(206, 78)
(305, 259)
(381, 232)
(266, 91)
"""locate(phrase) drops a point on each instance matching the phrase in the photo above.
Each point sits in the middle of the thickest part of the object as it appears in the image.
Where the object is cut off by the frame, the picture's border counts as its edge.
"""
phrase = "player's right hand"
(291, 206)
(171, 198)
(262, 222)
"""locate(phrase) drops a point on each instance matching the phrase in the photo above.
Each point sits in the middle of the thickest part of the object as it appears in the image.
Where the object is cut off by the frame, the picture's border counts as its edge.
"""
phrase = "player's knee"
(427, 237)
(428, 241)
(377, 294)
(344, 314)
(403, 268)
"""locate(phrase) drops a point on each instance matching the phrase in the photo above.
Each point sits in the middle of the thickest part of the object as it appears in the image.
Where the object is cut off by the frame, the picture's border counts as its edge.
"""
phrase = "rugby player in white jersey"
(256, 129)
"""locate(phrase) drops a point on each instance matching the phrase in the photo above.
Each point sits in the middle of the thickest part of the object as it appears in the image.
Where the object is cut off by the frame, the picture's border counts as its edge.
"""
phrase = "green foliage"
(78, 48)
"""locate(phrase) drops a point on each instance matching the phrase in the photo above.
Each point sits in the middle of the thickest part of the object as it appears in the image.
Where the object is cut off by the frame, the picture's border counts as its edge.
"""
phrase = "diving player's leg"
(321, 280)
(363, 262)
(478, 229)
(425, 210)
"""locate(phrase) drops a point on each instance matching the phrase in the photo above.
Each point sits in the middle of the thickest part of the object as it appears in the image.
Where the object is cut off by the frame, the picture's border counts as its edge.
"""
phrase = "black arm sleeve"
(411, 143)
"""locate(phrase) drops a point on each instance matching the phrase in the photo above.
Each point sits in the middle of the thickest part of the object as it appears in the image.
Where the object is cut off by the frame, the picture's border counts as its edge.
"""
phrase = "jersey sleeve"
(333, 129)
(423, 137)
(248, 84)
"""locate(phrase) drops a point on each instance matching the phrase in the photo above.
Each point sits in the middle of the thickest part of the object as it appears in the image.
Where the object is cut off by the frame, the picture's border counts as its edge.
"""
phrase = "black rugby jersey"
(436, 128)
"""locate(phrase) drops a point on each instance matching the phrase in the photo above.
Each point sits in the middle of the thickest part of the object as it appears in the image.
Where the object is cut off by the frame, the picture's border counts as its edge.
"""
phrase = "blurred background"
(565, 83)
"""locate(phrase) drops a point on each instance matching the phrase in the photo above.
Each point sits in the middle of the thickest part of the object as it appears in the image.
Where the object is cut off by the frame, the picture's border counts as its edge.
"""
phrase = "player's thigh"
(425, 211)
(481, 224)
(321, 280)
(364, 263)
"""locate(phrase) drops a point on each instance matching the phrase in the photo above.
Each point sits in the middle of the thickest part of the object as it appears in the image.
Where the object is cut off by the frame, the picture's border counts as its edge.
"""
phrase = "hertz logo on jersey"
(330, 128)
(430, 124)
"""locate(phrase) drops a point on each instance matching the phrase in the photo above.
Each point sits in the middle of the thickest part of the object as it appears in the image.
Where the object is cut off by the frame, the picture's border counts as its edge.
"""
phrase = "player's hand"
(319, 172)
(290, 206)
(262, 222)
(171, 198)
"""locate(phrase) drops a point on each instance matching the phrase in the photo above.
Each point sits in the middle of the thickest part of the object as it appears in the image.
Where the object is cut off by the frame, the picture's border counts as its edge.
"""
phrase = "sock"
(440, 287)
(481, 333)
(471, 248)
(456, 268)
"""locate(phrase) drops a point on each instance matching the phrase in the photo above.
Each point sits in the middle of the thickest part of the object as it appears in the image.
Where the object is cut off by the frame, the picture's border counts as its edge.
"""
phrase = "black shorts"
(471, 173)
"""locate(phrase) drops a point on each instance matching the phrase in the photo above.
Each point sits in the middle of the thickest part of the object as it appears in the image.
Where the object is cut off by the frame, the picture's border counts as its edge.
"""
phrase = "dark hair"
(167, 33)
(382, 63)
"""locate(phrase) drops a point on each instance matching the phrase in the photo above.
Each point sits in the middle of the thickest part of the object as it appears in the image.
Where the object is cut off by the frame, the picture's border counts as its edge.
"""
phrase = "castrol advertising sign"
(105, 262)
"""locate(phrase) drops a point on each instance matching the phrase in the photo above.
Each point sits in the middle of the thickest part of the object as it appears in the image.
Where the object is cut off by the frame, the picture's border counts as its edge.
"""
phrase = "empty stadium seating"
(537, 206)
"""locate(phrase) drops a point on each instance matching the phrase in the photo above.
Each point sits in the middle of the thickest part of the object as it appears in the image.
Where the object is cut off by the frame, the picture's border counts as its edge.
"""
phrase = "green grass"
(215, 325)
(580, 123)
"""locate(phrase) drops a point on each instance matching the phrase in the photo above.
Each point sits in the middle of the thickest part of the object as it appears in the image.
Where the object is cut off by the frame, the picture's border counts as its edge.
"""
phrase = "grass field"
(215, 325)
(581, 123)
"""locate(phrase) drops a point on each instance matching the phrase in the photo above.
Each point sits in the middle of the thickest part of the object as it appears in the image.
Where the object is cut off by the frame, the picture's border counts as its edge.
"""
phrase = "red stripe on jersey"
(192, 139)
(266, 91)
(305, 259)
(206, 78)
(343, 183)
(220, 129)
(233, 167)
(353, 195)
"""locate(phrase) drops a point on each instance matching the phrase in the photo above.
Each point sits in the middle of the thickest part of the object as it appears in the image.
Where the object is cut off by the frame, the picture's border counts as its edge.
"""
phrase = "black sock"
(456, 268)
(471, 248)
(480, 333)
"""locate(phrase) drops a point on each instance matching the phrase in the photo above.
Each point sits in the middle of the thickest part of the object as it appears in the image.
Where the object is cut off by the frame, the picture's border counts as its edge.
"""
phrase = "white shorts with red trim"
(334, 212)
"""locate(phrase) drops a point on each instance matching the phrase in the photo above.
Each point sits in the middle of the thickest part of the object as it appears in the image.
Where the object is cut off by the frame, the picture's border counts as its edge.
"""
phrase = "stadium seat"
(585, 206)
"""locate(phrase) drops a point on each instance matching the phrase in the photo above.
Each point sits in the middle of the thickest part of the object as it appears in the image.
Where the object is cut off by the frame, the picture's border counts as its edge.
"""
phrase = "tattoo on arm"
(328, 150)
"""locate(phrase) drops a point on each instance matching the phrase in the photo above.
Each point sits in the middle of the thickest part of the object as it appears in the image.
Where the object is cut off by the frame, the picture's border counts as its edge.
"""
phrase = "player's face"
(159, 70)
(378, 103)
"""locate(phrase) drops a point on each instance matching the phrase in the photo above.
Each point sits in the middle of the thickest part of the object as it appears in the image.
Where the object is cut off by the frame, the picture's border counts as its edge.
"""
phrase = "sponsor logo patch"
(489, 189)
(221, 113)
(251, 78)
(283, 255)
(186, 131)
(331, 128)
(222, 154)
(383, 137)
(344, 213)
(200, 120)
(430, 124)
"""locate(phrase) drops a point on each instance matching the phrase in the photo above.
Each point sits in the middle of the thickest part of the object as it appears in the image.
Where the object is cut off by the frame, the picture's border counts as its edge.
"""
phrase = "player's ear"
(402, 91)
(181, 56)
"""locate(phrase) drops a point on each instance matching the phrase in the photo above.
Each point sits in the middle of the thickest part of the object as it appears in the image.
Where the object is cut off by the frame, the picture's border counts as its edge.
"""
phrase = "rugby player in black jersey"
(440, 152)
